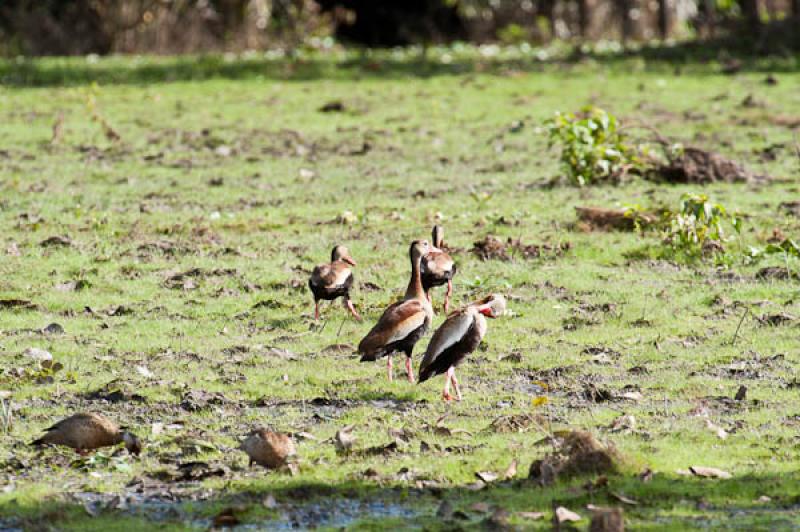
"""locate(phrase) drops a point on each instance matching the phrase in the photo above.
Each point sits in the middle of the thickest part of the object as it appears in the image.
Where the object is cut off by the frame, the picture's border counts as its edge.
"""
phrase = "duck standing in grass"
(403, 323)
(438, 267)
(332, 280)
(88, 431)
(268, 449)
(457, 337)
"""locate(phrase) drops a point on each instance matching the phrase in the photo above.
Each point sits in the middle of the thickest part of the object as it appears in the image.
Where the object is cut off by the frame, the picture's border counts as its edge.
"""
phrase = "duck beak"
(487, 311)
(349, 260)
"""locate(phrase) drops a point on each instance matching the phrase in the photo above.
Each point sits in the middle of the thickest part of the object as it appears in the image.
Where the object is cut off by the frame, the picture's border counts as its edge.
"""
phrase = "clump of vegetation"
(593, 147)
(698, 226)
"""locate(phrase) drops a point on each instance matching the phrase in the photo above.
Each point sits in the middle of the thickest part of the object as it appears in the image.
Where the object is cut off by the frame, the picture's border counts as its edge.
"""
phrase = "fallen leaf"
(624, 422)
(531, 515)
(344, 439)
(487, 476)
(269, 502)
(38, 354)
(709, 472)
(511, 470)
(539, 401)
(563, 515)
(719, 431)
(623, 499)
(480, 507)
(632, 396)
(144, 372)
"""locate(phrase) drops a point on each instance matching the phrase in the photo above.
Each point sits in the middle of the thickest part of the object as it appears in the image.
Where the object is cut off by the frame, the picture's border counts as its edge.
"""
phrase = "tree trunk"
(750, 11)
(583, 17)
(663, 18)
(624, 7)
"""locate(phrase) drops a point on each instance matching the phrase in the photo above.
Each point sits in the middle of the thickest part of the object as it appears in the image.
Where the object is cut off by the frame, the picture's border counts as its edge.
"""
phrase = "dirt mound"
(600, 219)
(775, 272)
(492, 248)
(694, 165)
(578, 453)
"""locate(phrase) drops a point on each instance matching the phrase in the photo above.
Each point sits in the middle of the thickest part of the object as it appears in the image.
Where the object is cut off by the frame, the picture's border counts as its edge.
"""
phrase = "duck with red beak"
(457, 337)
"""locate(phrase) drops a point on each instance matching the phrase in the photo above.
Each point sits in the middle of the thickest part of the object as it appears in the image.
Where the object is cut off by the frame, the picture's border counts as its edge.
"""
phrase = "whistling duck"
(332, 280)
(457, 337)
(403, 323)
(268, 449)
(89, 431)
(438, 267)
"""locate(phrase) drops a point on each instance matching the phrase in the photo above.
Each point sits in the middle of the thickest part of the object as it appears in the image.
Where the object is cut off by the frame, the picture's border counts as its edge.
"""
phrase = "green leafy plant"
(787, 249)
(698, 227)
(593, 148)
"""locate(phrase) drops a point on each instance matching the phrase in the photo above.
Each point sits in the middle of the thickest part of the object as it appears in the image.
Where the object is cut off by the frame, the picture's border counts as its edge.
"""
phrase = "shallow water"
(333, 512)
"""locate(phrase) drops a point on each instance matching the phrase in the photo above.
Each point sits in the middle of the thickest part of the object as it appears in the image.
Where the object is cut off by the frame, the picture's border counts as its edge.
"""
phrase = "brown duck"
(88, 431)
(403, 323)
(456, 338)
(438, 267)
(333, 280)
(269, 449)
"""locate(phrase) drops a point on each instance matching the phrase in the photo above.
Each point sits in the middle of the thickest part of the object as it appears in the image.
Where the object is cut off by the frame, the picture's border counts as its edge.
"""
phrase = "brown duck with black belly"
(333, 280)
(403, 323)
(87, 432)
(438, 267)
(456, 338)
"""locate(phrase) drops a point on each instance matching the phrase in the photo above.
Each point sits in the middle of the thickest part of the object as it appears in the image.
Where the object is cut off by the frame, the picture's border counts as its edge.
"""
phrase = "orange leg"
(316, 310)
(389, 368)
(447, 296)
(409, 370)
(452, 374)
(446, 392)
(349, 305)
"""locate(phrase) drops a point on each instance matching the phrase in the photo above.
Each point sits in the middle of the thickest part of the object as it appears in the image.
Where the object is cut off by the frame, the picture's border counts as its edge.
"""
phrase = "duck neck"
(415, 290)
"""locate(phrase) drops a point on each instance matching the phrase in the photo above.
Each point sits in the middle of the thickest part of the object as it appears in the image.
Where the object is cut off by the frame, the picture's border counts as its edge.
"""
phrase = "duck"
(438, 267)
(403, 323)
(268, 449)
(333, 280)
(89, 431)
(457, 337)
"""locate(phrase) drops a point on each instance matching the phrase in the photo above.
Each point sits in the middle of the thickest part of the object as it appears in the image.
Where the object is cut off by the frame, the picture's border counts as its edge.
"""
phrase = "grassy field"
(184, 247)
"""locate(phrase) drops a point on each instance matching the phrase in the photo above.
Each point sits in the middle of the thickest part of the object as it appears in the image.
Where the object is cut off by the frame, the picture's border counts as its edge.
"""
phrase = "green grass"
(208, 175)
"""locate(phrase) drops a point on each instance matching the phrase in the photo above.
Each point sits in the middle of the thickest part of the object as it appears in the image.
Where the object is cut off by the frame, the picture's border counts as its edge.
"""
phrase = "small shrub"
(593, 149)
(698, 227)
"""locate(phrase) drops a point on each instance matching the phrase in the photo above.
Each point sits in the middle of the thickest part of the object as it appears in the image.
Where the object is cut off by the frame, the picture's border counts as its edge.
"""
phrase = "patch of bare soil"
(694, 165)
(602, 219)
(791, 207)
(775, 272)
(492, 248)
(576, 453)
(515, 423)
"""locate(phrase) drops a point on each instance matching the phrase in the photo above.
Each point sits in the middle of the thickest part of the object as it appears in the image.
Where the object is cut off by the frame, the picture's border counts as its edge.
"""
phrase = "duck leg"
(349, 305)
(316, 310)
(451, 374)
(389, 368)
(446, 392)
(409, 369)
(447, 295)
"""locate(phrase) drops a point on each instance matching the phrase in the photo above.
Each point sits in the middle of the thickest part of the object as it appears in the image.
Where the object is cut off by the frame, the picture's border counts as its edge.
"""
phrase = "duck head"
(343, 254)
(492, 306)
